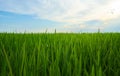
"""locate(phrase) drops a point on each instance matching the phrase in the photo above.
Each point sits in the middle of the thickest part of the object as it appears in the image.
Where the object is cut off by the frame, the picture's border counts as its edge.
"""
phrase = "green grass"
(85, 54)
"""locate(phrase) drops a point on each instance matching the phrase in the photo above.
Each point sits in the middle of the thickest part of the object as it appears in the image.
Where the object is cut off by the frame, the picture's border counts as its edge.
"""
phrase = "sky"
(62, 15)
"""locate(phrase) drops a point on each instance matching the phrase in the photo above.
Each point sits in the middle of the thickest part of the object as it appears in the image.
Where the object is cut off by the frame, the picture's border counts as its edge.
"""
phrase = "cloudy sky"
(62, 15)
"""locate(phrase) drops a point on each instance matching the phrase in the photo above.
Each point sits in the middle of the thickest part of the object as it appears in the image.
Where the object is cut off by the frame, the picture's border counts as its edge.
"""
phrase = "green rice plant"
(60, 54)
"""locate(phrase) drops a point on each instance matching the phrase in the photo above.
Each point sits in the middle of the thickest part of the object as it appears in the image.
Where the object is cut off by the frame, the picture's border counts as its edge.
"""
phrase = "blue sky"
(62, 15)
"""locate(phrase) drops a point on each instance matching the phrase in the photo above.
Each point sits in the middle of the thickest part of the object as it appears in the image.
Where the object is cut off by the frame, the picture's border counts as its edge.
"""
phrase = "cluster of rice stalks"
(85, 54)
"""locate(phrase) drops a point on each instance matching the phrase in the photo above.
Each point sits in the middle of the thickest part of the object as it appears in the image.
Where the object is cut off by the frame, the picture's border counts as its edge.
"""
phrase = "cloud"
(73, 11)
(106, 12)
(87, 15)
(89, 26)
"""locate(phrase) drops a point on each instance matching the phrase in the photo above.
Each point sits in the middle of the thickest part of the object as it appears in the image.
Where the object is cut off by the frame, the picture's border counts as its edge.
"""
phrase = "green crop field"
(84, 54)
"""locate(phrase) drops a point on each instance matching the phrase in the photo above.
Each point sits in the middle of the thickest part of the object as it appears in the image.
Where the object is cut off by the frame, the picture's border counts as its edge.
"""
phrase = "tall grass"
(85, 54)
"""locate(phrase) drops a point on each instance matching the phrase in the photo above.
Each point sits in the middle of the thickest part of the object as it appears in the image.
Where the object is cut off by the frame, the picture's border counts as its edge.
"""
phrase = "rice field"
(58, 54)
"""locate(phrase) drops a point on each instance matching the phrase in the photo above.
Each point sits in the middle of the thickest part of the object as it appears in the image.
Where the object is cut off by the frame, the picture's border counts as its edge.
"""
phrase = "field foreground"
(85, 54)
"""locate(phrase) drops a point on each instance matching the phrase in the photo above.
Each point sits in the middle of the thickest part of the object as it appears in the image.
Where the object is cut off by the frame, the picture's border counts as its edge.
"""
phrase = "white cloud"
(75, 26)
(73, 11)
(106, 12)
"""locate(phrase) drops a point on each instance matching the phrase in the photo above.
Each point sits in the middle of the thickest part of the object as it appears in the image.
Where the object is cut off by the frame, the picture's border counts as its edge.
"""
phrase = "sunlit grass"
(85, 54)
